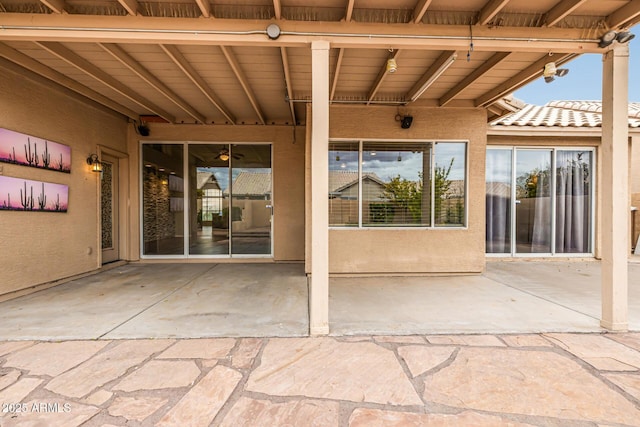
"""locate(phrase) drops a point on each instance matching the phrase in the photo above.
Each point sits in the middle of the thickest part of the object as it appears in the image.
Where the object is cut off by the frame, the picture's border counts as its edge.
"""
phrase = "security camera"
(406, 122)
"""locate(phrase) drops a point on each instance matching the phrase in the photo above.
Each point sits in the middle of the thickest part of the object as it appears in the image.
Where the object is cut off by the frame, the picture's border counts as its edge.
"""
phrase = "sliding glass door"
(539, 201)
(533, 201)
(223, 200)
(251, 206)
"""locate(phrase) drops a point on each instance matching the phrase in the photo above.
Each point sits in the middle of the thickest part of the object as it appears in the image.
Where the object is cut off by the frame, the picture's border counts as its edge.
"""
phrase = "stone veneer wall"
(158, 220)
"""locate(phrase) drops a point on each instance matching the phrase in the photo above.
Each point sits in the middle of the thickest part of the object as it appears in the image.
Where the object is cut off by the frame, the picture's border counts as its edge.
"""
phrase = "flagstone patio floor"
(552, 379)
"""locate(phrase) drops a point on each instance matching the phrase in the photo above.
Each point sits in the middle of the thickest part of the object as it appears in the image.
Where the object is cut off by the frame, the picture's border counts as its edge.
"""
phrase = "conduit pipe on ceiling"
(294, 33)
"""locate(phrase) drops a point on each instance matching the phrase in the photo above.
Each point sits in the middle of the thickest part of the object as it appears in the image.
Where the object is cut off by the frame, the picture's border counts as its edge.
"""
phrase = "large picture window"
(397, 184)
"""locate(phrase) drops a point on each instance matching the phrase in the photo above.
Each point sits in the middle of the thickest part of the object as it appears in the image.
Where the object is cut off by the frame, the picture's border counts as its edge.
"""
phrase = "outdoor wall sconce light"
(94, 162)
(611, 36)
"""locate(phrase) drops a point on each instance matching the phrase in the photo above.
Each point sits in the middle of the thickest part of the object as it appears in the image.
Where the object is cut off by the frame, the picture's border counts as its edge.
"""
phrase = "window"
(397, 184)
(539, 200)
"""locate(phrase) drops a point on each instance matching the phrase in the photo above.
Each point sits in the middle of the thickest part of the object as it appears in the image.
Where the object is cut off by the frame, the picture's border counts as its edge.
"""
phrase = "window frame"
(433, 142)
(513, 148)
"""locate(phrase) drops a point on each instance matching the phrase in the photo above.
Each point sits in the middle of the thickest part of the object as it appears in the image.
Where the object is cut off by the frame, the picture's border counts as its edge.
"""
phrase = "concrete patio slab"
(573, 284)
(92, 306)
(444, 305)
(230, 300)
(196, 300)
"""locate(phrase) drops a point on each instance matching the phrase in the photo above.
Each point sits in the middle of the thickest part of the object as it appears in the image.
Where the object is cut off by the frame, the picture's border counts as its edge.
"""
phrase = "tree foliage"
(406, 195)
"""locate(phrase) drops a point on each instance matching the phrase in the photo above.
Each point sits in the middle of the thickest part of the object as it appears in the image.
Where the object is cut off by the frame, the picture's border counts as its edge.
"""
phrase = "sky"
(584, 81)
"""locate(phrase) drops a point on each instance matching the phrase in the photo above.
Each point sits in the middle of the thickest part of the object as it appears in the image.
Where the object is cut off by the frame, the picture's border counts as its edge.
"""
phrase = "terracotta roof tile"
(564, 114)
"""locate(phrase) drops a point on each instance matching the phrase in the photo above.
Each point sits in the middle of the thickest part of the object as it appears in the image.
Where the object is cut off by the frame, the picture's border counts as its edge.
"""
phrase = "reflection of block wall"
(255, 214)
(344, 211)
(158, 219)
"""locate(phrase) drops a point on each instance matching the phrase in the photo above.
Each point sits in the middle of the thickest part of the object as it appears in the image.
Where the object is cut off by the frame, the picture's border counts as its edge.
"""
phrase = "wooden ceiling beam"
(622, 17)
(232, 32)
(435, 70)
(336, 74)
(381, 76)
(277, 7)
(561, 11)
(131, 6)
(128, 61)
(474, 76)
(103, 77)
(57, 6)
(237, 70)
(287, 81)
(490, 10)
(205, 8)
(522, 78)
(178, 58)
(349, 12)
(420, 10)
(39, 68)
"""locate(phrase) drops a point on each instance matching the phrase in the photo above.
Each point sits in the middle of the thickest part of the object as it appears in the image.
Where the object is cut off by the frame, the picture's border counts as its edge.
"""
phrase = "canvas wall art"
(21, 149)
(17, 194)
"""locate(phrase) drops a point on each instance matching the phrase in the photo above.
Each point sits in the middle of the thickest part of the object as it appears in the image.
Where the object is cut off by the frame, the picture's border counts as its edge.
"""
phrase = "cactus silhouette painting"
(27, 150)
(18, 194)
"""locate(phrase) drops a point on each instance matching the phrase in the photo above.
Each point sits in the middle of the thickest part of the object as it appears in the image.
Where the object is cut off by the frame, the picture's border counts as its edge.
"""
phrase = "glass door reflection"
(209, 199)
(533, 201)
(251, 202)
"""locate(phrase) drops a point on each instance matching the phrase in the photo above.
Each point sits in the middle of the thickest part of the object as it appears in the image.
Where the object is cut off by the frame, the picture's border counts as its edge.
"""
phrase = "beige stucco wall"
(40, 247)
(422, 251)
(287, 169)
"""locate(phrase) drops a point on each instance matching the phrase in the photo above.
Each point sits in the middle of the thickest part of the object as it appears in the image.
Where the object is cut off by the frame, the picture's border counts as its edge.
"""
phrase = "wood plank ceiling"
(212, 62)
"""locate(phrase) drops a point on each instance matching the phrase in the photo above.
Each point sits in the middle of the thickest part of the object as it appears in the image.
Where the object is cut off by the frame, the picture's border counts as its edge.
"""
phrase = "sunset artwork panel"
(17, 194)
(26, 150)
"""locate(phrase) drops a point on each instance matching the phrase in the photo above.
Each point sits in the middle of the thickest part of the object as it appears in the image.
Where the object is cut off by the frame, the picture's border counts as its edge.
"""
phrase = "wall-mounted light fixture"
(94, 162)
(610, 36)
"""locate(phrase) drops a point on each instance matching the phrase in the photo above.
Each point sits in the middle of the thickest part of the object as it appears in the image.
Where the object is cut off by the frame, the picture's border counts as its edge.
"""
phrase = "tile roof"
(252, 184)
(208, 179)
(584, 114)
(339, 180)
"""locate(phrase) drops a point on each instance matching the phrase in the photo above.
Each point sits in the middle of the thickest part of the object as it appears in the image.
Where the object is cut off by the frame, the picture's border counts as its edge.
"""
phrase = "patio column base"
(319, 330)
(615, 327)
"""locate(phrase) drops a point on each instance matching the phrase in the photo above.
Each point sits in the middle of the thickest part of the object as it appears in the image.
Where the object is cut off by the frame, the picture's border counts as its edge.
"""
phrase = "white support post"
(615, 189)
(319, 287)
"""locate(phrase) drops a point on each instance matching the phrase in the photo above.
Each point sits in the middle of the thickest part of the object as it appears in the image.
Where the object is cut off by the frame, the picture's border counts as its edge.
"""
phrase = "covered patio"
(158, 91)
(137, 300)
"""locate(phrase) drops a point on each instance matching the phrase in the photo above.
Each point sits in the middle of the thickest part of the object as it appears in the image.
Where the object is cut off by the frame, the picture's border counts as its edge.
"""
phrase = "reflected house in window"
(250, 191)
(343, 193)
(210, 197)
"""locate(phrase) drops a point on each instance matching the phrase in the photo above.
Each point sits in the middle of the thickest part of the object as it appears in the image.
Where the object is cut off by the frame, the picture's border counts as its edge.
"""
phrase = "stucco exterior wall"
(40, 247)
(287, 171)
(414, 251)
